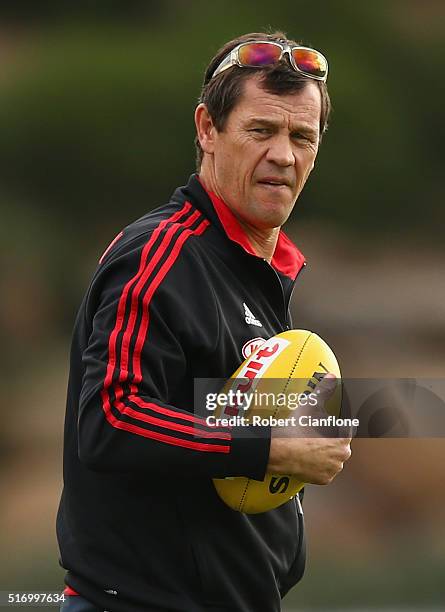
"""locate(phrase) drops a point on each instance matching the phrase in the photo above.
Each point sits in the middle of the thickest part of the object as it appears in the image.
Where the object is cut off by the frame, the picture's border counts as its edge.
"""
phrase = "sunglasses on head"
(309, 62)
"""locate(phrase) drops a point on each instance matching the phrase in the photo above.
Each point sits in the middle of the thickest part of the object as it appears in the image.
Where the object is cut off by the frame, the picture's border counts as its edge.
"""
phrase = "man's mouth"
(274, 181)
(273, 186)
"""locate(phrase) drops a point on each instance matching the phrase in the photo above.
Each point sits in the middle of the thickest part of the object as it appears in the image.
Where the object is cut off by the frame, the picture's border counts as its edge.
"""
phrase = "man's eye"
(260, 130)
(302, 137)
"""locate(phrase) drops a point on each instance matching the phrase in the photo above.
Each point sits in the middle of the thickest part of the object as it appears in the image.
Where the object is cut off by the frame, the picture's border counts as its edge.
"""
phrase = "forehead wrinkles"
(279, 119)
(281, 116)
(304, 105)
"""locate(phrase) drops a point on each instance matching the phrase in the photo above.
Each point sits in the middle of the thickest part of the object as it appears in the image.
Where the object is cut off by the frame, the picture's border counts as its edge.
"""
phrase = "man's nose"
(280, 151)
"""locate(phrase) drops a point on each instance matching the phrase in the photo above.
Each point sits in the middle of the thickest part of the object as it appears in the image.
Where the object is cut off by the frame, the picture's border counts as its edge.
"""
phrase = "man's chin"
(268, 221)
(273, 214)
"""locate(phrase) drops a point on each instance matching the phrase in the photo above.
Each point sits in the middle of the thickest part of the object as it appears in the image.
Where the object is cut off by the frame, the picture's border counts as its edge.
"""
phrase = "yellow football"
(287, 366)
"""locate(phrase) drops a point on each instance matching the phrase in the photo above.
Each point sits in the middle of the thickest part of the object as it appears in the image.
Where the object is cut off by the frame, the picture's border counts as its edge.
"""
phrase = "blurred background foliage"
(96, 117)
(96, 127)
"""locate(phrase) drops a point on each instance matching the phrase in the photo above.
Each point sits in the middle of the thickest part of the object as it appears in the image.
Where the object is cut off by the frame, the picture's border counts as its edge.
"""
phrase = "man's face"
(266, 151)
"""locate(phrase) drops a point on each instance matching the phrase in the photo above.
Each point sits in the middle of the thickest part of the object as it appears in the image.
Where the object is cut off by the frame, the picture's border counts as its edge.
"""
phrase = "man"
(177, 296)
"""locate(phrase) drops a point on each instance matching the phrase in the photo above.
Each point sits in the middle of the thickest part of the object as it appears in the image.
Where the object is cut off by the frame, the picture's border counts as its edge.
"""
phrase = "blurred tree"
(96, 119)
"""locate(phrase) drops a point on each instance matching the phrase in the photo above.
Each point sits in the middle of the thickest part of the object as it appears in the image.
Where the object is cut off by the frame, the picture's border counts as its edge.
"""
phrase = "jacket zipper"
(286, 302)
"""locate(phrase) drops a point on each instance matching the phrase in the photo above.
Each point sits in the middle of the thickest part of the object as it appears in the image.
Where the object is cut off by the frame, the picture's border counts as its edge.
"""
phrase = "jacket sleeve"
(139, 317)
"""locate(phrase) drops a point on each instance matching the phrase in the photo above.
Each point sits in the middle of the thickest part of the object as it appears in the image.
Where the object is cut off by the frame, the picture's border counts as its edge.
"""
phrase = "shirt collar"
(287, 258)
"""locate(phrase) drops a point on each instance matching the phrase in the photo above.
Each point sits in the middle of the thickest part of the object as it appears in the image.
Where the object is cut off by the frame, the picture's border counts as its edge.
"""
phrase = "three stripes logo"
(250, 317)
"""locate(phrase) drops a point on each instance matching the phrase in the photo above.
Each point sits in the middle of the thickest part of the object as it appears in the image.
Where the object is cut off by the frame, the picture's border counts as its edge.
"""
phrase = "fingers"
(325, 389)
(346, 452)
(347, 432)
(313, 460)
(333, 467)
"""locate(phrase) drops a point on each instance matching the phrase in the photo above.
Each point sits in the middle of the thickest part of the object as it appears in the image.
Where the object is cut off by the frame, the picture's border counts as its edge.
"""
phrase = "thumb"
(325, 389)
(323, 392)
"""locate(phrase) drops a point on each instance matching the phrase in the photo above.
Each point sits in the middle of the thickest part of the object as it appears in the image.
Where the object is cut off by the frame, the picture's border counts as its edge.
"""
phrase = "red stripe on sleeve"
(140, 285)
(123, 299)
(200, 446)
(194, 431)
(168, 263)
(140, 279)
(186, 416)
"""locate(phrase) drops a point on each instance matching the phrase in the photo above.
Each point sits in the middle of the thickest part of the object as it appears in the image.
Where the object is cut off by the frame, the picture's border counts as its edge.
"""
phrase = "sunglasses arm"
(228, 61)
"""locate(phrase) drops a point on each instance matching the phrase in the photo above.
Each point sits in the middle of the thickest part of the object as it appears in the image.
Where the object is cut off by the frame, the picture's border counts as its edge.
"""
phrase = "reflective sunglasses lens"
(259, 54)
(310, 62)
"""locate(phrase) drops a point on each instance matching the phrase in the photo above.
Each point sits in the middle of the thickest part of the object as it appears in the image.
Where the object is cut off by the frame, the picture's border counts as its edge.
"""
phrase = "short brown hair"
(222, 93)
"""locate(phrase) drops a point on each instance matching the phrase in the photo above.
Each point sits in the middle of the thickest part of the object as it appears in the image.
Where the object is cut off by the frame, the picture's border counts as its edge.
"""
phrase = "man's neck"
(263, 241)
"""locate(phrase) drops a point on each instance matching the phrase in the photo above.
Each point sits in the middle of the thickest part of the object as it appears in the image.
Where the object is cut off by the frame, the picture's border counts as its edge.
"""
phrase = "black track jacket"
(177, 295)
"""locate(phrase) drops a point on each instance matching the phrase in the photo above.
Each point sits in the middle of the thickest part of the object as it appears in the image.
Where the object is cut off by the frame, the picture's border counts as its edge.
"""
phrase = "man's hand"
(315, 460)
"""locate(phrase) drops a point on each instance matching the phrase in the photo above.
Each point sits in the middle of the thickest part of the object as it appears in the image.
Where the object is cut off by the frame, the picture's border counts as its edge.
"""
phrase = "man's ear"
(205, 129)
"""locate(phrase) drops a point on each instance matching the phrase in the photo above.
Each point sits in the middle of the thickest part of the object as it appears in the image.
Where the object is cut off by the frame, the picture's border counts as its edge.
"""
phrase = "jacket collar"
(287, 258)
